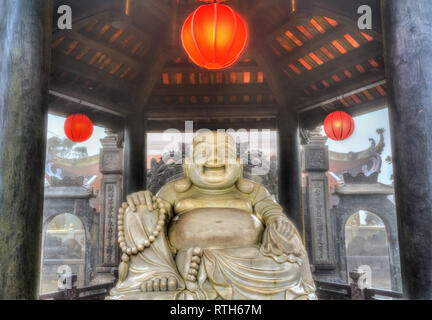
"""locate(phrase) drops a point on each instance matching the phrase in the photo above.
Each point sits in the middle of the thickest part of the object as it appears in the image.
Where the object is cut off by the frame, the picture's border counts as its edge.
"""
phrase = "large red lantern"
(214, 36)
(78, 127)
(339, 125)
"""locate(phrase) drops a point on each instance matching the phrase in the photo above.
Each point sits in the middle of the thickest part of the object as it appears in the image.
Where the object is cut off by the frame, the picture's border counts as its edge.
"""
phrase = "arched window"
(366, 244)
(64, 241)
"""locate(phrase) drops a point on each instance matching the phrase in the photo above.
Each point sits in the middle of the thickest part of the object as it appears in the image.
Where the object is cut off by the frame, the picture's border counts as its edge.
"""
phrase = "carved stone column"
(25, 35)
(111, 166)
(316, 164)
(408, 44)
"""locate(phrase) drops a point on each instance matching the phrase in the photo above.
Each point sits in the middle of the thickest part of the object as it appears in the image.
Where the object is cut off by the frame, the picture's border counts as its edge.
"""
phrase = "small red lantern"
(338, 125)
(214, 36)
(78, 127)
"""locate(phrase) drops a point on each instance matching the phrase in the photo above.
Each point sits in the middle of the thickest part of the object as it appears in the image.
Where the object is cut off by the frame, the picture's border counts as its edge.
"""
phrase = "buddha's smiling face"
(214, 164)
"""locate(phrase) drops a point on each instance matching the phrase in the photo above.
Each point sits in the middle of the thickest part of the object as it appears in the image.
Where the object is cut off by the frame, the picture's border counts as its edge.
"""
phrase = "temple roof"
(356, 167)
(306, 56)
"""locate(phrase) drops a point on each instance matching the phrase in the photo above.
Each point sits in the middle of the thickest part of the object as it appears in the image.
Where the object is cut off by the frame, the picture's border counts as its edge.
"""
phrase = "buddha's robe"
(230, 227)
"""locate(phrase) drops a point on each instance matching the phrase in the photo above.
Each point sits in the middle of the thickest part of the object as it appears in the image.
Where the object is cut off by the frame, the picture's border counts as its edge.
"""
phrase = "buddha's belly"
(215, 227)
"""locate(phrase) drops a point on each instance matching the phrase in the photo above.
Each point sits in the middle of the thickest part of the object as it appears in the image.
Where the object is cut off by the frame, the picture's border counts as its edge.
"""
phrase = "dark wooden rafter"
(288, 92)
(82, 22)
(156, 61)
(111, 51)
(261, 54)
(113, 103)
(256, 7)
(293, 20)
(152, 74)
(339, 64)
(313, 45)
(222, 123)
(85, 103)
(328, 105)
(321, 97)
(63, 105)
(155, 7)
(313, 118)
(198, 90)
(96, 44)
(207, 112)
(186, 69)
(272, 75)
(73, 66)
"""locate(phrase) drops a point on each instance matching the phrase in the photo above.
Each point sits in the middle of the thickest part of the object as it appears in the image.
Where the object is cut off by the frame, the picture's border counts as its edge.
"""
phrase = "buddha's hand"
(146, 198)
(281, 237)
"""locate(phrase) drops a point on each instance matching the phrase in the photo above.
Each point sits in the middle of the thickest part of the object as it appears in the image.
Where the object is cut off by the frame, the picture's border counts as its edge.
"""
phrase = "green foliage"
(65, 148)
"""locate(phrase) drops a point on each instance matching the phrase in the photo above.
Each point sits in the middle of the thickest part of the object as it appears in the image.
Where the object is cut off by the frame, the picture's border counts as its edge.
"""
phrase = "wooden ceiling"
(305, 56)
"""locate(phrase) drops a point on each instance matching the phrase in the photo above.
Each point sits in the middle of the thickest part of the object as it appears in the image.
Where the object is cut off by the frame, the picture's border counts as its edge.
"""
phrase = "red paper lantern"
(214, 36)
(338, 125)
(78, 127)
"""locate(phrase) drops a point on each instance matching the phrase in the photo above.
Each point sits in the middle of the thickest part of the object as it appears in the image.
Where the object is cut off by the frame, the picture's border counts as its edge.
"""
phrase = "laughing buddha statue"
(210, 235)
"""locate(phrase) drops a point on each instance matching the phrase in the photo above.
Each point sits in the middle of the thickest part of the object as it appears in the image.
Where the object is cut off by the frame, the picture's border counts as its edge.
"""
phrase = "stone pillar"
(25, 34)
(135, 155)
(290, 194)
(111, 166)
(316, 164)
(408, 46)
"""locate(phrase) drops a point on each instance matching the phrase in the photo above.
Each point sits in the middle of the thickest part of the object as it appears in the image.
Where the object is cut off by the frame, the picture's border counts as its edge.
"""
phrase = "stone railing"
(94, 292)
(356, 290)
(325, 291)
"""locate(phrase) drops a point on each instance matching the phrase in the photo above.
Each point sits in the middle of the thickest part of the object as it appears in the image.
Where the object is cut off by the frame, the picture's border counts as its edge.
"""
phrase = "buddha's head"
(213, 164)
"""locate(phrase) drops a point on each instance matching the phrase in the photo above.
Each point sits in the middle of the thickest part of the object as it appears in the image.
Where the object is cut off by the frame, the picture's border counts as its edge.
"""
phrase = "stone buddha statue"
(210, 235)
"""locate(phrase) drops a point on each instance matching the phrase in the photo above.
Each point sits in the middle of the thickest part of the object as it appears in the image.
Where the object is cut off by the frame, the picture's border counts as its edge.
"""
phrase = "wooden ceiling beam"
(272, 76)
(105, 48)
(209, 112)
(313, 118)
(313, 45)
(248, 124)
(190, 68)
(361, 82)
(339, 64)
(294, 19)
(76, 67)
(64, 106)
(157, 58)
(212, 90)
(156, 8)
(108, 101)
(152, 74)
(257, 6)
(260, 53)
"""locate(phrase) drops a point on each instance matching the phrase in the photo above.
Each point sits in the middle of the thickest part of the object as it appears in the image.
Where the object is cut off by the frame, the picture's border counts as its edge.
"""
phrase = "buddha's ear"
(184, 183)
(242, 184)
